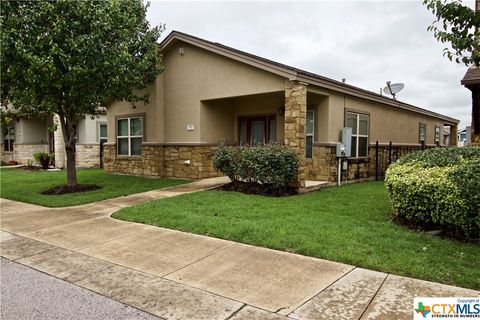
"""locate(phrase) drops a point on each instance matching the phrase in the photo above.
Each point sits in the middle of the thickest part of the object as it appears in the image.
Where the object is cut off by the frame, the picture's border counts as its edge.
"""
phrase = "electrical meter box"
(340, 150)
(347, 141)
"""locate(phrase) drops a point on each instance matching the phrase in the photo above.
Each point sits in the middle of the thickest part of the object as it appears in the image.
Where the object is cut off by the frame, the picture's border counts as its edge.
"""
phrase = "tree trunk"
(71, 170)
(69, 139)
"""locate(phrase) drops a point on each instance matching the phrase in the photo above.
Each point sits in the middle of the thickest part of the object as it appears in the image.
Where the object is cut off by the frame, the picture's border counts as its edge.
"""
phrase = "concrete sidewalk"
(177, 275)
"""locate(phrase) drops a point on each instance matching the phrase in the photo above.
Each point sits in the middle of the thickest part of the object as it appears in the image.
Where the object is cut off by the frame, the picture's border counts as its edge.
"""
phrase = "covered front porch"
(293, 117)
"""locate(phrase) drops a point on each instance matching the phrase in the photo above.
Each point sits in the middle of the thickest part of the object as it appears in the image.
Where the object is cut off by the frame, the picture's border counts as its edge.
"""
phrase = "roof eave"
(470, 82)
(297, 74)
(279, 70)
(367, 95)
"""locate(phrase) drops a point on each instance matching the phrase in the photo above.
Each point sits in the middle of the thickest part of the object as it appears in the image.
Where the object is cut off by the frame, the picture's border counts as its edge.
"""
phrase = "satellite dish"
(393, 88)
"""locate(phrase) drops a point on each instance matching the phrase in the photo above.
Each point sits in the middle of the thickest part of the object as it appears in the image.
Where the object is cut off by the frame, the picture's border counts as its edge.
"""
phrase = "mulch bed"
(64, 189)
(32, 168)
(433, 229)
(255, 188)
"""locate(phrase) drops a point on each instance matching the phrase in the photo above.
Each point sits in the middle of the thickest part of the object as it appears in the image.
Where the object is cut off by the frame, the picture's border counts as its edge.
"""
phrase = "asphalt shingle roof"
(472, 76)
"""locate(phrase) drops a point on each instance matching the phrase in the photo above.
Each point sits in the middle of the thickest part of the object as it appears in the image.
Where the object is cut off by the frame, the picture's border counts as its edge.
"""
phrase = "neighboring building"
(471, 80)
(211, 94)
(446, 137)
(464, 137)
(26, 135)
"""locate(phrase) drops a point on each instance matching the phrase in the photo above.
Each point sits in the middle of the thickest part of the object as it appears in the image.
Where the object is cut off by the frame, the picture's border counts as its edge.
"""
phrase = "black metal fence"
(388, 154)
(101, 153)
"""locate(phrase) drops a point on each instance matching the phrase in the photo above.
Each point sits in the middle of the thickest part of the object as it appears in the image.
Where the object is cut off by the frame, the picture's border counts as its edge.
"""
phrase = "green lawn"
(349, 224)
(26, 186)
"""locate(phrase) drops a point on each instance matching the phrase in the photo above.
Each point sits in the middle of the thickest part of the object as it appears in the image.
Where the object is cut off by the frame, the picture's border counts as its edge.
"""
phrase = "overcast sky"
(366, 42)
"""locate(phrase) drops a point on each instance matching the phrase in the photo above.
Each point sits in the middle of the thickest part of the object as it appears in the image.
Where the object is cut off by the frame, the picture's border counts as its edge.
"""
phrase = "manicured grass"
(26, 186)
(349, 224)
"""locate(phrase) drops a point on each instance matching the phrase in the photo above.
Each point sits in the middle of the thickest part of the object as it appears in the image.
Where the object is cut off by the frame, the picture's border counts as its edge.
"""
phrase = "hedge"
(271, 165)
(439, 187)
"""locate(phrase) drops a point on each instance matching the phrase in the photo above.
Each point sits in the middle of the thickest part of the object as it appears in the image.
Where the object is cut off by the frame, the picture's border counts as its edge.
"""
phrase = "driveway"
(177, 275)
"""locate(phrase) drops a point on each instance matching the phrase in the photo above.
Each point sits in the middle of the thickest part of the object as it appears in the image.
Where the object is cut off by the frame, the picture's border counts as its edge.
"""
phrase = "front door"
(256, 130)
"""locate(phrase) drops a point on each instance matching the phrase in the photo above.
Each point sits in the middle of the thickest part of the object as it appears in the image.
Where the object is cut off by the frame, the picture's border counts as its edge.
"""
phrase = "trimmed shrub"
(42, 158)
(441, 157)
(272, 165)
(439, 187)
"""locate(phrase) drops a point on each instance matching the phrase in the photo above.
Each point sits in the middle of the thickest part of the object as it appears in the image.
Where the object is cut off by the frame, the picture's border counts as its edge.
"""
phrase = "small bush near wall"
(272, 167)
(438, 188)
(42, 158)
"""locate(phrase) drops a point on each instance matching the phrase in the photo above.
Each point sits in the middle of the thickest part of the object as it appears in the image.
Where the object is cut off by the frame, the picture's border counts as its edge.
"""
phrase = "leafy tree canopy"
(71, 57)
(74, 56)
(457, 25)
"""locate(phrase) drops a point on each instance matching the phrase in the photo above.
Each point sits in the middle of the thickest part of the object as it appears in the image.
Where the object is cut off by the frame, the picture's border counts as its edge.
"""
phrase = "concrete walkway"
(177, 275)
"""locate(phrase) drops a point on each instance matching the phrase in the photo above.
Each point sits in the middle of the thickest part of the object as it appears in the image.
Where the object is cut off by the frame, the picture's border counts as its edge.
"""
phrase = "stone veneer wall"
(5, 156)
(164, 161)
(23, 153)
(149, 164)
(201, 162)
(87, 155)
(295, 122)
(323, 165)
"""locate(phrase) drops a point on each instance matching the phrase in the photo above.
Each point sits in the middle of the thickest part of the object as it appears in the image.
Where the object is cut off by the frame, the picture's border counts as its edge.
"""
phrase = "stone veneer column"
(295, 122)
(59, 144)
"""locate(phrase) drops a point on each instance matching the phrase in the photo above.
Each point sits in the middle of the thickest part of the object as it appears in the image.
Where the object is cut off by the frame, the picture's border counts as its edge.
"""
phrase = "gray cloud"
(366, 42)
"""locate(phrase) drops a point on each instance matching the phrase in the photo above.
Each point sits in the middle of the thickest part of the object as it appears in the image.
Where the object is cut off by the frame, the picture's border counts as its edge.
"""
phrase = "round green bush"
(438, 187)
(272, 165)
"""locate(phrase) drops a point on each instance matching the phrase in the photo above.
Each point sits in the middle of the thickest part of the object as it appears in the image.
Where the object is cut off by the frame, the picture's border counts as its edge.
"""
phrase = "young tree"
(459, 26)
(72, 57)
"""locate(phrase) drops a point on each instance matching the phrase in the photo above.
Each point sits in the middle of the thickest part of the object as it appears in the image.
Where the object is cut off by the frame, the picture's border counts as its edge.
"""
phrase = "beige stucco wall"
(184, 91)
(319, 103)
(218, 122)
(386, 123)
(197, 76)
(152, 131)
(209, 92)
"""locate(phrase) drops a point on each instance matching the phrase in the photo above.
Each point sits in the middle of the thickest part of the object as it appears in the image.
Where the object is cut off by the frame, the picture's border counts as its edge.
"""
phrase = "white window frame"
(312, 134)
(357, 135)
(424, 127)
(437, 135)
(100, 124)
(129, 136)
(10, 136)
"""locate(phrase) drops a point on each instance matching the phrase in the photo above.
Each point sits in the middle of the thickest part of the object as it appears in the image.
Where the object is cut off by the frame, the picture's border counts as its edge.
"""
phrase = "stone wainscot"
(162, 160)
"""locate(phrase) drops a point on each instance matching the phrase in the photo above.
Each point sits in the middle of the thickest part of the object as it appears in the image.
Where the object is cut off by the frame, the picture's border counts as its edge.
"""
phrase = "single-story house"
(471, 80)
(211, 94)
(24, 136)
